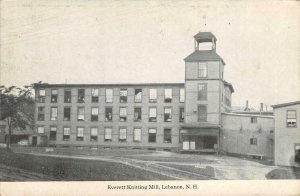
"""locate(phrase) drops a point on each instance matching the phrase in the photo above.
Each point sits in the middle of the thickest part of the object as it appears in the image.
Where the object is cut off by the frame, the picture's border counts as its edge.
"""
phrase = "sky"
(146, 42)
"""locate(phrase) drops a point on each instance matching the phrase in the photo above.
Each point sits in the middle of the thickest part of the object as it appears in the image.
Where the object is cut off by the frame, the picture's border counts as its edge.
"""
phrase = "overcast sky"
(141, 42)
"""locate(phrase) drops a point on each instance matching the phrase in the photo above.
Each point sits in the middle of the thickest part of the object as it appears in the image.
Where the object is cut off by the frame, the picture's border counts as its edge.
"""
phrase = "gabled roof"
(205, 37)
(203, 55)
(285, 104)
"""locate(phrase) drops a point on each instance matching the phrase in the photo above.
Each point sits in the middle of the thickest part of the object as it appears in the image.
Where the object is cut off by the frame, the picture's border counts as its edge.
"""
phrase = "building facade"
(111, 115)
(287, 133)
(190, 116)
(248, 134)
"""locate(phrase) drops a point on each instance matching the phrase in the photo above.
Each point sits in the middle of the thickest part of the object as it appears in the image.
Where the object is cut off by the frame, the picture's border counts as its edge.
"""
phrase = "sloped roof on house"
(203, 55)
(285, 104)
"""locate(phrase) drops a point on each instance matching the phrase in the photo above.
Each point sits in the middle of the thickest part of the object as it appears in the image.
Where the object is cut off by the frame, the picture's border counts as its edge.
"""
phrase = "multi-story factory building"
(110, 115)
(185, 116)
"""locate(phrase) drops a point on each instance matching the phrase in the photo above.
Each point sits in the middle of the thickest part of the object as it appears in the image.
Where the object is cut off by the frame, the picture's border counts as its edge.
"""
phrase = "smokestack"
(261, 107)
(247, 106)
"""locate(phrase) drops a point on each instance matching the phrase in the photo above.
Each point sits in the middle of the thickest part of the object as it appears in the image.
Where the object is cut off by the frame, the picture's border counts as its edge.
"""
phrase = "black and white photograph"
(149, 95)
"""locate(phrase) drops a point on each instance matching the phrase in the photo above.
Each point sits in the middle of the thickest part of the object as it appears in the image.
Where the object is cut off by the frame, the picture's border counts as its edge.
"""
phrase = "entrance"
(34, 140)
(196, 142)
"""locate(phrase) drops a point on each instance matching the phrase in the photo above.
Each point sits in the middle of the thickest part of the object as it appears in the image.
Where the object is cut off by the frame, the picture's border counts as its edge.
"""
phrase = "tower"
(204, 87)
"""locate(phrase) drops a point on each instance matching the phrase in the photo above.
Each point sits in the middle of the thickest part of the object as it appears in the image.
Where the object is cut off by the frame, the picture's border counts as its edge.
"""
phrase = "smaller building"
(17, 134)
(287, 133)
(248, 134)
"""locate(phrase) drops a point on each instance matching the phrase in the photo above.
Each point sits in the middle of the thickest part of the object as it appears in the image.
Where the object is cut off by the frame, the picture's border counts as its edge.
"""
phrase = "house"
(18, 134)
(287, 133)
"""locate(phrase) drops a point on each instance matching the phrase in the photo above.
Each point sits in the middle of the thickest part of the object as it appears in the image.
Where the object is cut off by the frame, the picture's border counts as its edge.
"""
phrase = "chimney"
(261, 107)
(247, 106)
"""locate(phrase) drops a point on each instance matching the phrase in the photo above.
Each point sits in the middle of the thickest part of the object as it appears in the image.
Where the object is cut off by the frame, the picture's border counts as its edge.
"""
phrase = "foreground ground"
(83, 164)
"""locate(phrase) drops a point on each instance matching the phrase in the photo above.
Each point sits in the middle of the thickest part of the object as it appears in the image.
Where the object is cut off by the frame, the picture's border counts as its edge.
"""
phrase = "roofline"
(206, 32)
(37, 85)
(247, 115)
(230, 86)
(200, 126)
(185, 60)
(285, 104)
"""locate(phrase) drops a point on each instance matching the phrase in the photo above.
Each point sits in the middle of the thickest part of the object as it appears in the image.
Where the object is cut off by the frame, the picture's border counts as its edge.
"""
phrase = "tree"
(13, 104)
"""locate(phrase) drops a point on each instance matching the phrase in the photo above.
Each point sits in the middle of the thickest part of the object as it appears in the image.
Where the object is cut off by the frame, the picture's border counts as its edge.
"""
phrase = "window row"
(137, 113)
(168, 94)
(122, 135)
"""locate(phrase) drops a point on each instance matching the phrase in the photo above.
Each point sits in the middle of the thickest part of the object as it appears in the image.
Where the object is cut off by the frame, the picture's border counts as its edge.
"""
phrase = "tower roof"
(205, 37)
(203, 55)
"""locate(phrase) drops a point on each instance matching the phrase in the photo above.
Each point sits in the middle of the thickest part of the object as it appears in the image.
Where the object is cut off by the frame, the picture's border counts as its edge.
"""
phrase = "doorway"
(197, 142)
(34, 140)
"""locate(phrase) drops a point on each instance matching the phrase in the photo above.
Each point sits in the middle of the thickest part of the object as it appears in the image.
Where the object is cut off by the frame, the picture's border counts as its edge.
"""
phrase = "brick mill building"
(192, 116)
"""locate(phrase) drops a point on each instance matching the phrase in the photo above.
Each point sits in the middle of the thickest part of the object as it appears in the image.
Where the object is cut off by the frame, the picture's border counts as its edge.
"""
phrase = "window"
(202, 91)
(202, 113)
(94, 115)
(81, 94)
(108, 95)
(180, 135)
(123, 95)
(41, 95)
(80, 114)
(152, 95)
(2, 128)
(54, 96)
(291, 120)
(137, 114)
(168, 114)
(152, 114)
(95, 95)
(254, 120)
(167, 135)
(94, 134)
(53, 133)
(137, 95)
(67, 113)
(66, 134)
(67, 96)
(123, 114)
(122, 135)
(181, 95)
(41, 113)
(53, 113)
(253, 141)
(108, 114)
(168, 95)
(107, 134)
(79, 136)
(202, 70)
(41, 130)
(137, 134)
(181, 114)
(152, 135)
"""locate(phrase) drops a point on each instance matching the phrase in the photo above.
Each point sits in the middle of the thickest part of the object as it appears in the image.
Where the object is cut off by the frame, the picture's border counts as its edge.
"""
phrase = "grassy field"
(76, 169)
